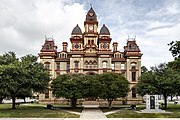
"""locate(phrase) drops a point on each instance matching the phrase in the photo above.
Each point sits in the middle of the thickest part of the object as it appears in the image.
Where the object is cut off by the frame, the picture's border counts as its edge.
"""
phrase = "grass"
(175, 109)
(32, 111)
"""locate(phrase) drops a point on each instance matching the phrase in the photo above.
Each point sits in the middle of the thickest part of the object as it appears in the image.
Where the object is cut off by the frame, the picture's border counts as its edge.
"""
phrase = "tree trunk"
(171, 97)
(24, 99)
(13, 102)
(1, 99)
(165, 102)
(109, 103)
(73, 102)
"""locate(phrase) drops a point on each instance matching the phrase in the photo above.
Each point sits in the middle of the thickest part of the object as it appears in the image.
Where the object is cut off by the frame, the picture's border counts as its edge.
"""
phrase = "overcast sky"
(155, 23)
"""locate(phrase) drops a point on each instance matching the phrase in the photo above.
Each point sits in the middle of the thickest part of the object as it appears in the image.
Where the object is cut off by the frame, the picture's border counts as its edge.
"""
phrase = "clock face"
(104, 46)
(90, 27)
(76, 46)
(91, 14)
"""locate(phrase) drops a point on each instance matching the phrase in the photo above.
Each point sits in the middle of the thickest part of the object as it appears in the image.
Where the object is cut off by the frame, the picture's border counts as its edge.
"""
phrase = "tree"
(160, 80)
(147, 84)
(91, 84)
(23, 74)
(23, 93)
(175, 49)
(69, 86)
(143, 69)
(112, 86)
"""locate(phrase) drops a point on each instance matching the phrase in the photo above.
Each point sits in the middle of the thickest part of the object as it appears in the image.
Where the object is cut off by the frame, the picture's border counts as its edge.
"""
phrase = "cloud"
(24, 25)
(155, 23)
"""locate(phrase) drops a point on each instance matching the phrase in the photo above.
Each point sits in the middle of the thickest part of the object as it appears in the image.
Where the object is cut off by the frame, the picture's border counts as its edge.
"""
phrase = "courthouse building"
(91, 52)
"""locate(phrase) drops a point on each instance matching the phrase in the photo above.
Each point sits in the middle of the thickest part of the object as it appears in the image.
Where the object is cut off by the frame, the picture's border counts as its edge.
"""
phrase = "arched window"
(133, 67)
(47, 47)
(62, 55)
(133, 92)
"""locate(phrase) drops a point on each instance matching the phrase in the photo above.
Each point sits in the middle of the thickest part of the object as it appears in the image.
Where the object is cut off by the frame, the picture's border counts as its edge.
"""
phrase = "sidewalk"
(92, 113)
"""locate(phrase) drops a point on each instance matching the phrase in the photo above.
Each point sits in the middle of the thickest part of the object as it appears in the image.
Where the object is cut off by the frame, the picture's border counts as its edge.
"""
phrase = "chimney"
(65, 45)
(115, 45)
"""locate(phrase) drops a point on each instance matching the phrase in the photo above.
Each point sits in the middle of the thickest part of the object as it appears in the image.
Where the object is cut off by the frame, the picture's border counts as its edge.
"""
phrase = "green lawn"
(33, 110)
(79, 108)
(175, 109)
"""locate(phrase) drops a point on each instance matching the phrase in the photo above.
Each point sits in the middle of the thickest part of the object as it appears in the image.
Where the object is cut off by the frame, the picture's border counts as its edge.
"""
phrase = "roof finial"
(91, 5)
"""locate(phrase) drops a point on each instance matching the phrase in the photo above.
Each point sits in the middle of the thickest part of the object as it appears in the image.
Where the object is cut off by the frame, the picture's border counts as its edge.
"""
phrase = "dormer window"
(62, 55)
(47, 47)
(117, 55)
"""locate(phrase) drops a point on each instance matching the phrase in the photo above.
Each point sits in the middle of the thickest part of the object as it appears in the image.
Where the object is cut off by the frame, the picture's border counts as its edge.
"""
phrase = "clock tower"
(91, 25)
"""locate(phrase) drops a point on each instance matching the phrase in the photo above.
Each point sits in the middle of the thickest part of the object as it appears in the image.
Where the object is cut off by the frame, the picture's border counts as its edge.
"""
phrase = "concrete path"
(111, 112)
(92, 113)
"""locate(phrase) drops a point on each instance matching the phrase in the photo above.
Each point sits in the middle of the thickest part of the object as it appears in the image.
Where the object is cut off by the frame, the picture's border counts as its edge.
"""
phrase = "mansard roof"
(104, 30)
(76, 31)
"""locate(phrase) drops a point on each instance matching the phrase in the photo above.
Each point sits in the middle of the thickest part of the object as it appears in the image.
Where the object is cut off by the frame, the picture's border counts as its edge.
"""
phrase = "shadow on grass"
(28, 111)
(175, 109)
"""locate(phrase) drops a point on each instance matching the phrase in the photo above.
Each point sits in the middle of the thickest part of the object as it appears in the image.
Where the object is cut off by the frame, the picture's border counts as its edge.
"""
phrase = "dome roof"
(104, 30)
(76, 31)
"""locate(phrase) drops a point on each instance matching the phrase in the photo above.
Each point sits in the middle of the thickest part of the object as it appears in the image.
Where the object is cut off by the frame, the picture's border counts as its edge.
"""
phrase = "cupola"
(104, 30)
(76, 31)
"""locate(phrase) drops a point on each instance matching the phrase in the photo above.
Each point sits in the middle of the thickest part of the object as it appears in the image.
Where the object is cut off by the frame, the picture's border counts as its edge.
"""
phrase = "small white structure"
(152, 102)
(152, 105)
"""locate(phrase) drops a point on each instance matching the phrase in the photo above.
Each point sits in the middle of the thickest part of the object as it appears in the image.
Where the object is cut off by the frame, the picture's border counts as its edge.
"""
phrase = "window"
(62, 55)
(133, 76)
(50, 46)
(92, 42)
(58, 66)
(89, 42)
(68, 68)
(133, 68)
(76, 64)
(47, 94)
(112, 66)
(122, 66)
(47, 66)
(47, 47)
(133, 92)
(104, 64)
(117, 55)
